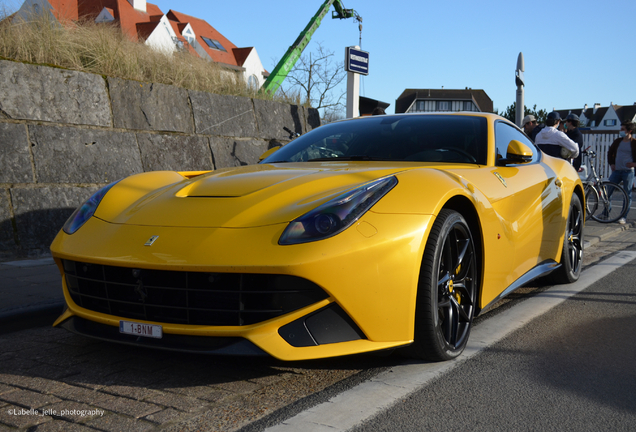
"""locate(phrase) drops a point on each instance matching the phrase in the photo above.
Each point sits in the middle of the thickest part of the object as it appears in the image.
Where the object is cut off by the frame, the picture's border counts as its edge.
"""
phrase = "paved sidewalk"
(28, 289)
(32, 288)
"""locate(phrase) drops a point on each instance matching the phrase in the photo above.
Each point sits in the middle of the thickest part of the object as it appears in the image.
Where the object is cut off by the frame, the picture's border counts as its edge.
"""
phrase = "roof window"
(214, 44)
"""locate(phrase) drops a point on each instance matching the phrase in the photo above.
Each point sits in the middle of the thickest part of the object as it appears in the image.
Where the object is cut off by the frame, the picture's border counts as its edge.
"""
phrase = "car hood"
(248, 196)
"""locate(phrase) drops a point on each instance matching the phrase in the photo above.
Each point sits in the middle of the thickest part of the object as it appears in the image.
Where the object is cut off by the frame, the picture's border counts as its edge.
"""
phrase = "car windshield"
(407, 138)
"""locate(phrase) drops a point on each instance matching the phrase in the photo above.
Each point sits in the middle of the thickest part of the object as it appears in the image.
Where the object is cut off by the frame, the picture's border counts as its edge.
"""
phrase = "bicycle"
(605, 202)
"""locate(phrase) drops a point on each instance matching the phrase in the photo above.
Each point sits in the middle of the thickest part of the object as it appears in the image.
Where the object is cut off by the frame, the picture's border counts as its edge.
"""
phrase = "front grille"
(198, 298)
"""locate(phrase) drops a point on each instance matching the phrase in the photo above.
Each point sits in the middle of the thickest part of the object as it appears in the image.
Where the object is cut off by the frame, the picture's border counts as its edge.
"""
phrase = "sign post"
(356, 64)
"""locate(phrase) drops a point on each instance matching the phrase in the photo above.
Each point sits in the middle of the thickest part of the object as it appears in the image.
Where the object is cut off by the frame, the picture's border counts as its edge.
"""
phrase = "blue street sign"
(357, 61)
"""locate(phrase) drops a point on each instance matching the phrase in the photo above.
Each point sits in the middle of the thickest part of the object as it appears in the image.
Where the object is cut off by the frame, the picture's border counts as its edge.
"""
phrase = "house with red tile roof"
(145, 22)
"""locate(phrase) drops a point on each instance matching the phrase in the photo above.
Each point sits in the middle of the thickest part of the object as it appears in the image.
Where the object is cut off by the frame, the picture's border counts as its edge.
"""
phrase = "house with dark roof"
(435, 100)
(145, 22)
(598, 118)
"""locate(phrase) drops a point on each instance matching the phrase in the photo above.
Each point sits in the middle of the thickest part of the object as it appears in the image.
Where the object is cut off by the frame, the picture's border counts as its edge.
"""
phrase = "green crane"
(285, 65)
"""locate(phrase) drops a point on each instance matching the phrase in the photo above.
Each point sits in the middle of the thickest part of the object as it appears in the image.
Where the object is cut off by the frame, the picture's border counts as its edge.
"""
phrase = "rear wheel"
(612, 203)
(447, 290)
(572, 255)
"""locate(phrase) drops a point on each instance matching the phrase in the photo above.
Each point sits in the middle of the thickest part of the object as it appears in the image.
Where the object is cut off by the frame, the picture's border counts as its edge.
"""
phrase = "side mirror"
(517, 153)
(268, 152)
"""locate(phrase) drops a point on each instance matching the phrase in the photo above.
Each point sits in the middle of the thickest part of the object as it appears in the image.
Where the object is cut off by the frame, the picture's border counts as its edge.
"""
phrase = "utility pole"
(520, 84)
(353, 95)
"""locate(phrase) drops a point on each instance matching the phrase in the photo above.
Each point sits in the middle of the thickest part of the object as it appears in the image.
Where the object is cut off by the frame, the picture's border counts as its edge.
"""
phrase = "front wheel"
(447, 290)
(591, 201)
(572, 254)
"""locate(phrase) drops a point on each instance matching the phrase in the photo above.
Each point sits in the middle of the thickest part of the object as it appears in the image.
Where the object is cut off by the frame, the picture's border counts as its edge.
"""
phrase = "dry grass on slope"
(103, 49)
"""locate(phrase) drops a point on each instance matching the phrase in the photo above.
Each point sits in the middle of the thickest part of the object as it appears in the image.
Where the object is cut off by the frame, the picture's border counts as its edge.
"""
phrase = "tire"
(591, 201)
(572, 255)
(612, 203)
(447, 290)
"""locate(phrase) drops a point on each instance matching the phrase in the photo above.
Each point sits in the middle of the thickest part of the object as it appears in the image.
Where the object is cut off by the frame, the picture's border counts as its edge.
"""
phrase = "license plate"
(140, 329)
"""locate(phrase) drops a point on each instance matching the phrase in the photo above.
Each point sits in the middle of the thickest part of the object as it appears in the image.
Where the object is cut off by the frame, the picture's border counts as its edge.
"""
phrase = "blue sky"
(574, 53)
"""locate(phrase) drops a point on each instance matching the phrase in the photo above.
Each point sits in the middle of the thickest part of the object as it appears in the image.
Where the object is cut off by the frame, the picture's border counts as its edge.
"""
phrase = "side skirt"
(540, 270)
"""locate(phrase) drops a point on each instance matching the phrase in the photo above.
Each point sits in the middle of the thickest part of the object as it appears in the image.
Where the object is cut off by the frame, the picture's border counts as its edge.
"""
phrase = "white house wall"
(610, 114)
(140, 5)
(188, 33)
(253, 66)
(163, 37)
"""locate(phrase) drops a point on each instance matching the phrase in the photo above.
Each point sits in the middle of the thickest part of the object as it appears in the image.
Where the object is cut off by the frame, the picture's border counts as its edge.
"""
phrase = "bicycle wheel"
(591, 200)
(612, 203)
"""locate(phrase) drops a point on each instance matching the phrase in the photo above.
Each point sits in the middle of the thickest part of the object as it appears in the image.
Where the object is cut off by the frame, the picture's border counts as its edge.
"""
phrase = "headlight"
(86, 210)
(336, 215)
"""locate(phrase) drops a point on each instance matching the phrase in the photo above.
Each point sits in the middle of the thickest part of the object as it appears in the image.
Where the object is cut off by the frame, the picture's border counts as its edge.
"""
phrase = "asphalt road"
(573, 369)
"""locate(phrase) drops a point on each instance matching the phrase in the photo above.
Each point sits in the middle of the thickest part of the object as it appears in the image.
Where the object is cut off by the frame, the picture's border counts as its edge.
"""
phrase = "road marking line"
(352, 407)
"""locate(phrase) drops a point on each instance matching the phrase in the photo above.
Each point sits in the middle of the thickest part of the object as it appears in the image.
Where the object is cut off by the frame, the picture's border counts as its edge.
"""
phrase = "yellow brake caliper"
(450, 286)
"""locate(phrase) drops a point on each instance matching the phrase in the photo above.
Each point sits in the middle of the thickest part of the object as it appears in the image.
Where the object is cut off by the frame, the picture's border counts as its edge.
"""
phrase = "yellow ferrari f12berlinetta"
(367, 234)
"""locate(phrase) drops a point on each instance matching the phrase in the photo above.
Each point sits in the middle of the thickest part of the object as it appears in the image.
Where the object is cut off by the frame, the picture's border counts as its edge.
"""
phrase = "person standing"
(551, 140)
(573, 132)
(528, 125)
(621, 157)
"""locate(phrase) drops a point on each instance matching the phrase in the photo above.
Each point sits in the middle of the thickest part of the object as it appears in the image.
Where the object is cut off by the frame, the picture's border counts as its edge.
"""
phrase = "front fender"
(427, 192)
(424, 192)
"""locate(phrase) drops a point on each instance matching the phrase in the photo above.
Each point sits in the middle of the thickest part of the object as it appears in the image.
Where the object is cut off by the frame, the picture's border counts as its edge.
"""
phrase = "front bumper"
(369, 272)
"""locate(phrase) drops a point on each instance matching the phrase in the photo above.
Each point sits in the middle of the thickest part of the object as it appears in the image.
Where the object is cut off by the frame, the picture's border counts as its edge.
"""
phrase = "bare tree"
(332, 116)
(314, 81)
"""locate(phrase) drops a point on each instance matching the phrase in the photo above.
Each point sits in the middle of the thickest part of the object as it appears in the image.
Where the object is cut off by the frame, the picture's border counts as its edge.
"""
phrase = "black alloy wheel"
(447, 290)
(572, 255)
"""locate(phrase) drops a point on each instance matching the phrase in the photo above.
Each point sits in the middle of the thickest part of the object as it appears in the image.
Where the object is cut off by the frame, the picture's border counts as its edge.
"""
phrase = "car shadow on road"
(131, 381)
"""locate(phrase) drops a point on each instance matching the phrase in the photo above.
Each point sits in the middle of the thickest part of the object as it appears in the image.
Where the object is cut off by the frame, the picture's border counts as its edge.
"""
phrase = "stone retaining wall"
(64, 134)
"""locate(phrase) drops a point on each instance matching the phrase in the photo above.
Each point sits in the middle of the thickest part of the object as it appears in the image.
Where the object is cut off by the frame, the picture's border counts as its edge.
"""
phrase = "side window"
(504, 133)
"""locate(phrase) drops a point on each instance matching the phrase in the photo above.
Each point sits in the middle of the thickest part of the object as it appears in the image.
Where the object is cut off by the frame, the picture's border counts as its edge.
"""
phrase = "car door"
(535, 211)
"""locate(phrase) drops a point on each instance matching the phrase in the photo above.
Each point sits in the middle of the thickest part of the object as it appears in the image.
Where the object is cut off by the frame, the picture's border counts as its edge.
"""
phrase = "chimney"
(139, 5)
(585, 108)
(596, 106)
